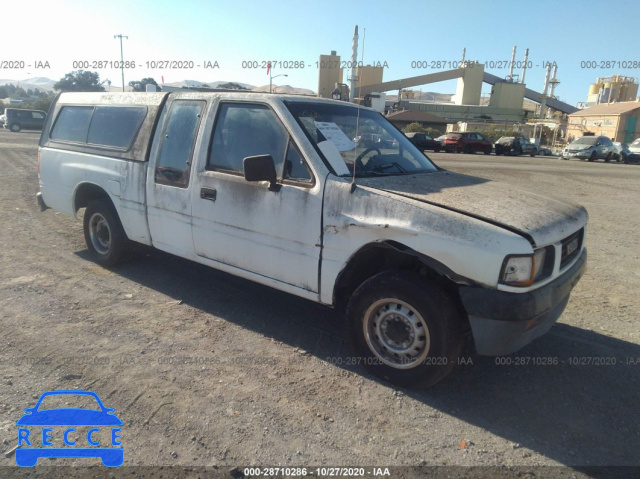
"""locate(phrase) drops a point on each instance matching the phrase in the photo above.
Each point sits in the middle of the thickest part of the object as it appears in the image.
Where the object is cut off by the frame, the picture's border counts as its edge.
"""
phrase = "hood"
(579, 146)
(540, 219)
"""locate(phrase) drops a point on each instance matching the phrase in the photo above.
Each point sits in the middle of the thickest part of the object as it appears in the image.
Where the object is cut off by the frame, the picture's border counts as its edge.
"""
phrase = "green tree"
(232, 86)
(80, 80)
(142, 84)
(414, 127)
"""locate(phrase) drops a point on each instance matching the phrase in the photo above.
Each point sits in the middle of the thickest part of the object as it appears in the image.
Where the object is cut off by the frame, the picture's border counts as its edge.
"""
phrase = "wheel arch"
(85, 193)
(374, 258)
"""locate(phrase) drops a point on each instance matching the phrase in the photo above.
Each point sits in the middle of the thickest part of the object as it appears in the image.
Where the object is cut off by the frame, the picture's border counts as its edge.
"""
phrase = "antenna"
(353, 178)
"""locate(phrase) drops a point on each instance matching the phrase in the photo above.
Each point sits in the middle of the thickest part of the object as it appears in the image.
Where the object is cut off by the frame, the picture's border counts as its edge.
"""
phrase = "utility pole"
(121, 36)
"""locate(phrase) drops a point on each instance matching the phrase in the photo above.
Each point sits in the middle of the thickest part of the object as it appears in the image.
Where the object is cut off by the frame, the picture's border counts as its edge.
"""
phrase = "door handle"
(208, 194)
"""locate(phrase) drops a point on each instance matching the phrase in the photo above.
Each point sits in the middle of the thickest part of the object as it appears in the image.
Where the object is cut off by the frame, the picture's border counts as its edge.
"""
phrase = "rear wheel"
(404, 328)
(103, 232)
(15, 128)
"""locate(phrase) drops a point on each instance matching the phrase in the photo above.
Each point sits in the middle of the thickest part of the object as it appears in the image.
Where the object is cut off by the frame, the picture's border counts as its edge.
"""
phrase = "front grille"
(571, 247)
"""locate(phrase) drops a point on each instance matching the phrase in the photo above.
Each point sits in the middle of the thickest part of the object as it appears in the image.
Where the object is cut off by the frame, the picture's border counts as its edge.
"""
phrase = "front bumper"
(503, 322)
(582, 154)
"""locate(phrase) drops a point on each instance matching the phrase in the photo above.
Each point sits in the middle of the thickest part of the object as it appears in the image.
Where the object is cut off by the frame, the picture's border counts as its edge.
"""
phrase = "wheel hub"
(100, 234)
(396, 333)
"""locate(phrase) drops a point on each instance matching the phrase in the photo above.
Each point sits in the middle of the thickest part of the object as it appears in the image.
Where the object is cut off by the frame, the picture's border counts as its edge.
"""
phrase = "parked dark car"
(18, 119)
(515, 145)
(424, 141)
(544, 151)
(622, 153)
(467, 142)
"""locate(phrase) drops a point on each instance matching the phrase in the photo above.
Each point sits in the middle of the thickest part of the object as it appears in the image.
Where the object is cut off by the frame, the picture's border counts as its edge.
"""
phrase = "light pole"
(271, 79)
(121, 36)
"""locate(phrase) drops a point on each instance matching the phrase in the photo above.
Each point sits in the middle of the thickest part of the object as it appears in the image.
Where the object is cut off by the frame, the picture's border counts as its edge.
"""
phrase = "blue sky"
(397, 32)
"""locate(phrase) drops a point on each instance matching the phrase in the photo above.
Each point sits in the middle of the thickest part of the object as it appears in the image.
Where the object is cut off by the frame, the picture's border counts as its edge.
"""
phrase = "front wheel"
(608, 158)
(404, 328)
(593, 156)
(103, 232)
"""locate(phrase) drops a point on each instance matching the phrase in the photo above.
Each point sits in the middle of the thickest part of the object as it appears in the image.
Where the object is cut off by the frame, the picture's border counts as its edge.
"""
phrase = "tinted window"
(115, 126)
(246, 130)
(38, 116)
(72, 123)
(174, 162)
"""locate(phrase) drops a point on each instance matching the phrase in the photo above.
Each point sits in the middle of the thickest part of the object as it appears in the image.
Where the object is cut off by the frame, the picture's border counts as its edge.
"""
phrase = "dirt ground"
(206, 369)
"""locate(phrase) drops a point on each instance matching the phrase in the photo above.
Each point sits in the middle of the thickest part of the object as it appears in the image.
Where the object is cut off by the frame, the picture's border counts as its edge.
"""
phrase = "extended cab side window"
(174, 161)
(243, 130)
(72, 124)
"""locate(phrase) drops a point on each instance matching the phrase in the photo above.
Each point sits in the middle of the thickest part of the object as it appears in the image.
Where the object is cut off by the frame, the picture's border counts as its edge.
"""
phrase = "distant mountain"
(36, 83)
(286, 89)
(196, 83)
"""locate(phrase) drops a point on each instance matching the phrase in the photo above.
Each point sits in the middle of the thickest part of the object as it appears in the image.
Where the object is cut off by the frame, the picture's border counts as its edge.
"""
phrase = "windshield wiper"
(389, 165)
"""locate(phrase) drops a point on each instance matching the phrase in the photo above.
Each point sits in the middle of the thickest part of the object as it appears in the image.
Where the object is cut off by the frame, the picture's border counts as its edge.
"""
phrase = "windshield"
(350, 137)
(586, 140)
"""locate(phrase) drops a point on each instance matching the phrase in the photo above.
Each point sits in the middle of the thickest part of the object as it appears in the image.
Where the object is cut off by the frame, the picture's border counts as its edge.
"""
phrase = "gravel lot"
(209, 370)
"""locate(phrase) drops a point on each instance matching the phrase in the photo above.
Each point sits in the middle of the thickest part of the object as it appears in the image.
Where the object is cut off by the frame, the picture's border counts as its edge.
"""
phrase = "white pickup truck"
(274, 189)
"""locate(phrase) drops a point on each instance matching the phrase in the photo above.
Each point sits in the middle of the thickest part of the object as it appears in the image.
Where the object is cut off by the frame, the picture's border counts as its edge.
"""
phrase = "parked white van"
(274, 189)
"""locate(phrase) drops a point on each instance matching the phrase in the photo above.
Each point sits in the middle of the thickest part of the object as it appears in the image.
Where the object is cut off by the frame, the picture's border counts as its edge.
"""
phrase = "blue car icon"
(69, 418)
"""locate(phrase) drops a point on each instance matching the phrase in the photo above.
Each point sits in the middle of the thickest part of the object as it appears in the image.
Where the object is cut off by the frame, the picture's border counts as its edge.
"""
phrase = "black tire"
(593, 156)
(404, 305)
(532, 154)
(15, 128)
(608, 158)
(436, 149)
(103, 233)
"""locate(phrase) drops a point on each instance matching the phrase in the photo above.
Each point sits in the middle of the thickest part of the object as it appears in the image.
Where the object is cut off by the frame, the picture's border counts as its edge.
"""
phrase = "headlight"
(523, 270)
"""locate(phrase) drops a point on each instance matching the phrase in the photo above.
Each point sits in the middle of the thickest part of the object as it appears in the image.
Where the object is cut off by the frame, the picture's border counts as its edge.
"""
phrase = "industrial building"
(616, 88)
(505, 108)
(618, 121)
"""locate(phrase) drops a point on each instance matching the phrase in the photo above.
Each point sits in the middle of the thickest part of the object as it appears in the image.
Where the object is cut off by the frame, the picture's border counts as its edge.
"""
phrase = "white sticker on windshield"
(332, 155)
(335, 135)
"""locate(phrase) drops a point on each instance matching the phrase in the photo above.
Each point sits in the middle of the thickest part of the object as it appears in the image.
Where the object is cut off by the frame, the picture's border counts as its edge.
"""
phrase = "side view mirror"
(261, 168)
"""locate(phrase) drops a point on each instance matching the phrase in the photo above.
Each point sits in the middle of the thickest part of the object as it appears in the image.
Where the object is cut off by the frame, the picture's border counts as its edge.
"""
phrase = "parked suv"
(17, 119)
(515, 145)
(589, 148)
(424, 141)
(467, 142)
